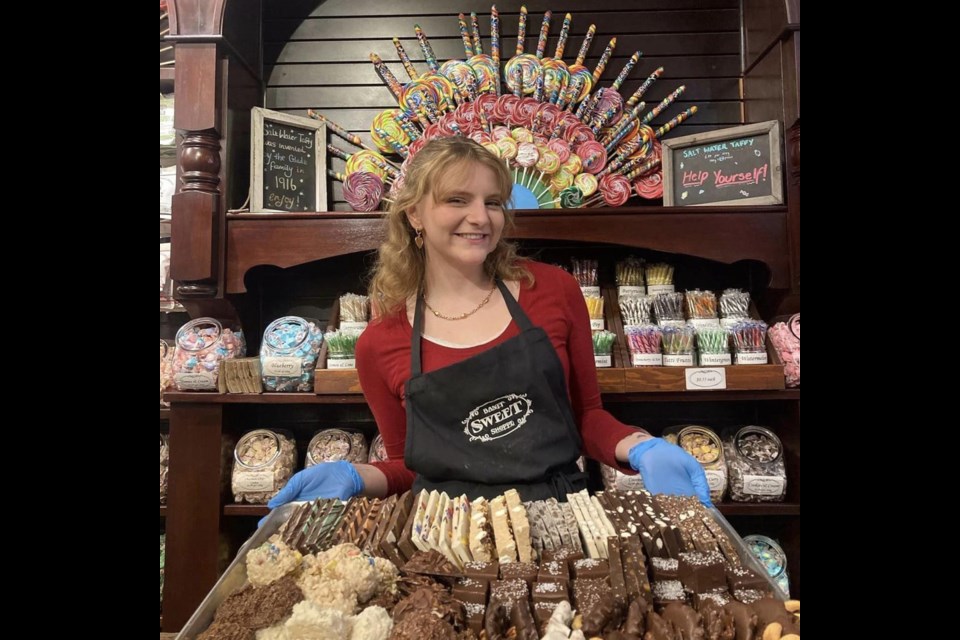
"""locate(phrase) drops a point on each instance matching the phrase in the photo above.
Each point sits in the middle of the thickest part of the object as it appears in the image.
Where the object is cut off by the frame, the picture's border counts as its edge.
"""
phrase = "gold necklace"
(466, 314)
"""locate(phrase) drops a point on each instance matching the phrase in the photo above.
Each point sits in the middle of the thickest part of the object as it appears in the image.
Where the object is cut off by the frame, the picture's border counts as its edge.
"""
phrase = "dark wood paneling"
(449, 46)
(362, 73)
(763, 89)
(614, 23)
(791, 79)
(415, 8)
(763, 21)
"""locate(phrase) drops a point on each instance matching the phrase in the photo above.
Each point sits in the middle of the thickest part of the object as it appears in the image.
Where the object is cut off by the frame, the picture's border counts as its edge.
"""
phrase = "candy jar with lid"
(289, 352)
(201, 345)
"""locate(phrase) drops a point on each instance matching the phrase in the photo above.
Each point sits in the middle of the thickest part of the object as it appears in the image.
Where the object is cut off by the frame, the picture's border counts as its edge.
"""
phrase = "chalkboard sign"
(288, 163)
(739, 165)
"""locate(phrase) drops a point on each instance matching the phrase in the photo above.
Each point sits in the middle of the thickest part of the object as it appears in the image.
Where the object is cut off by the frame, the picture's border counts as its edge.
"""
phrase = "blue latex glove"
(325, 480)
(666, 468)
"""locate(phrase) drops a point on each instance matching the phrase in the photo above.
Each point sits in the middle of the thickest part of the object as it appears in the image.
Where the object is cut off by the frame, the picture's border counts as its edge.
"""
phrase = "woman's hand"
(666, 468)
(325, 480)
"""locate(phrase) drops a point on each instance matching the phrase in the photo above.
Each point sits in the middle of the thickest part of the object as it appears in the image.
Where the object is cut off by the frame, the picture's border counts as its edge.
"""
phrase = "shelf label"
(353, 326)
(341, 363)
(706, 379)
(716, 479)
(253, 481)
(672, 323)
(656, 289)
(627, 290)
(596, 324)
(200, 381)
(282, 366)
(763, 485)
(726, 323)
(678, 360)
(590, 292)
(704, 322)
(715, 359)
(752, 358)
(647, 359)
(603, 361)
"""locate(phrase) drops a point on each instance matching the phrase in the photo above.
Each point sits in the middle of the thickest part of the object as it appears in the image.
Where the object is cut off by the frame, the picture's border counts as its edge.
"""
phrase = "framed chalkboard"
(288, 163)
(739, 165)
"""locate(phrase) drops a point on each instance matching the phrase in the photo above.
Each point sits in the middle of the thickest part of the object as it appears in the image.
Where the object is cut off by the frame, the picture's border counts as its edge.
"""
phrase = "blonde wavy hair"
(399, 270)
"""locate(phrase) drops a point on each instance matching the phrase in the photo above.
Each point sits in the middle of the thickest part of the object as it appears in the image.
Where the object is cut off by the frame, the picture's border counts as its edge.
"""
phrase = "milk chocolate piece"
(717, 621)
(405, 542)
(617, 581)
(481, 570)
(563, 554)
(550, 592)
(542, 612)
(636, 618)
(605, 615)
(744, 619)
(590, 568)
(658, 628)
(258, 608)
(508, 592)
(772, 610)
(468, 590)
(496, 622)
(749, 596)
(639, 568)
(587, 592)
(742, 578)
(702, 572)
(422, 625)
(526, 571)
(664, 568)
(553, 571)
(685, 620)
(475, 613)
(718, 598)
(437, 602)
(522, 619)
(431, 563)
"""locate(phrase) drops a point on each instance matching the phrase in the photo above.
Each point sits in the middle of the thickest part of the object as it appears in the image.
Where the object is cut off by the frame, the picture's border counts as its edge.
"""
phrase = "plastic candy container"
(288, 355)
(263, 462)
(772, 557)
(201, 345)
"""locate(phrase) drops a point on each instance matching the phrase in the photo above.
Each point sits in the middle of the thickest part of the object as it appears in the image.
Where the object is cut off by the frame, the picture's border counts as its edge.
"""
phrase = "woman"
(479, 369)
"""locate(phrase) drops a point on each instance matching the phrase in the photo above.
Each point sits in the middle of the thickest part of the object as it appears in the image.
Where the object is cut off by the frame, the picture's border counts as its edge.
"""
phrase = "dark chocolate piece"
(605, 615)
(702, 572)
(496, 622)
(744, 619)
(664, 568)
(587, 592)
(617, 581)
(553, 571)
(658, 628)
(717, 621)
(526, 571)
(667, 591)
(550, 592)
(590, 568)
(523, 622)
(636, 618)
(481, 570)
(771, 610)
(742, 578)
(471, 590)
(431, 563)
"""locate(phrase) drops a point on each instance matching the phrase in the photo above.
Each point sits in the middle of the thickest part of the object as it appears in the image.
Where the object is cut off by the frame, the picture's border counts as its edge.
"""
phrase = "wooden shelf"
(245, 510)
(716, 233)
(166, 79)
(164, 413)
(759, 509)
(163, 511)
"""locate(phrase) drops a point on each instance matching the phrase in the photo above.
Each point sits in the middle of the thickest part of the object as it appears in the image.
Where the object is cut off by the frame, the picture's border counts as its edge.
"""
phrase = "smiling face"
(462, 218)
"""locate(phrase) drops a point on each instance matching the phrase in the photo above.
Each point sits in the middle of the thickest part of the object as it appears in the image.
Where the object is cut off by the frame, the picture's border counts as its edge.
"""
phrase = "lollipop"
(522, 134)
(492, 147)
(428, 53)
(500, 132)
(564, 32)
(573, 165)
(529, 70)
(475, 29)
(508, 148)
(420, 95)
(549, 163)
(367, 161)
(593, 154)
(480, 137)
(503, 109)
(524, 112)
(527, 156)
(560, 148)
(544, 31)
(561, 180)
(386, 122)
(650, 187)
(571, 197)
(486, 72)
(555, 76)
(363, 190)
(615, 190)
(587, 183)
(405, 60)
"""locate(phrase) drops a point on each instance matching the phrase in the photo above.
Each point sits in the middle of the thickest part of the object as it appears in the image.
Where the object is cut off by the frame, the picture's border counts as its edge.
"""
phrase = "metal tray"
(746, 557)
(235, 576)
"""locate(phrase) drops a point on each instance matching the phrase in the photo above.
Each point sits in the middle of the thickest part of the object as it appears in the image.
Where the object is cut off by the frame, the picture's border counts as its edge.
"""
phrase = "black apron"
(498, 420)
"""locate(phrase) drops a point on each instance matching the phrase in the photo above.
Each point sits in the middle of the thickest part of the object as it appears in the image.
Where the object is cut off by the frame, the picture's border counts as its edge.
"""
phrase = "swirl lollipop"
(521, 134)
(650, 187)
(480, 137)
(529, 70)
(443, 88)
(503, 109)
(549, 163)
(593, 154)
(560, 148)
(367, 161)
(556, 76)
(524, 112)
(527, 156)
(491, 147)
(420, 96)
(386, 122)
(586, 182)
(486, 72)
(508, 148)
(500, 132)
(363, 190)
(561, 180)
(615, 190)
(573, 165)
(571, 197)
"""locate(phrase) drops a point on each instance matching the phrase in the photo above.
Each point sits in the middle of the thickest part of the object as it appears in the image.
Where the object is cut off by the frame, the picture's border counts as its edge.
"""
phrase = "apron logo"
(498, 418)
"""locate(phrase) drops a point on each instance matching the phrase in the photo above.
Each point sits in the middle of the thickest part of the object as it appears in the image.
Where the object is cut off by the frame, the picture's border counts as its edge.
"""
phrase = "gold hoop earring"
(418, 240)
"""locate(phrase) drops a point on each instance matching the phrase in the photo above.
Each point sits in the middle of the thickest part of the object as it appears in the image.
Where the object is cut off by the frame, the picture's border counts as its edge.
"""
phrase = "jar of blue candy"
(771, 557)
(201, 345)
(289, 352)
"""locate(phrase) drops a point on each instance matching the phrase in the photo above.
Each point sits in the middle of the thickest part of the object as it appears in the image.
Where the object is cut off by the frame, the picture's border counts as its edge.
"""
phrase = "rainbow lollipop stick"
(428, 53)
(522, 30)
(643, 87)
(675, 121)
(627, 68)
(564, 34)
(388, 78)
(338, 130)
(475, 28)
(465, 36)
(405, 59)
(585, 47)
(544, 32)
(666, 102)
(604, 59)
(495, 43)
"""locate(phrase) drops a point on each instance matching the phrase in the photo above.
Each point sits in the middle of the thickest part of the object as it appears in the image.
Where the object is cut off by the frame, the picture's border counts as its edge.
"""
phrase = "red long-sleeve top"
(555, 303)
